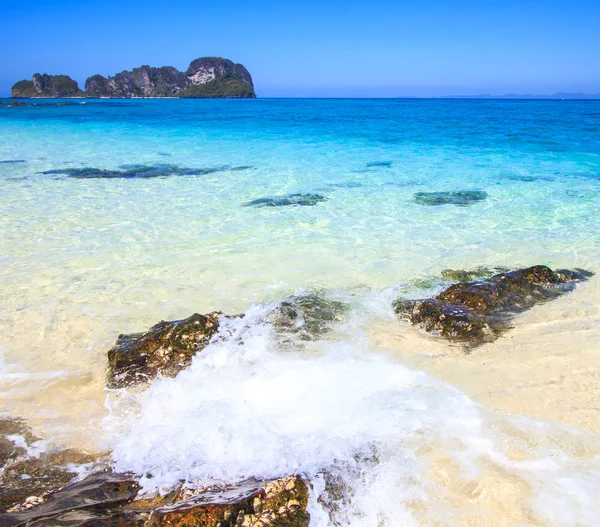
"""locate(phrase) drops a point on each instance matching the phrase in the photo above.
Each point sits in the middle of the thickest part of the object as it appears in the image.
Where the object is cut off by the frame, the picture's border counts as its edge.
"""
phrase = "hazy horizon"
(306, 49)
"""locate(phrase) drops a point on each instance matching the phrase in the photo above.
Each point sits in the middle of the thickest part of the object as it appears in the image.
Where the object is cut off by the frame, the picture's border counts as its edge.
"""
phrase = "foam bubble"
(243, 410)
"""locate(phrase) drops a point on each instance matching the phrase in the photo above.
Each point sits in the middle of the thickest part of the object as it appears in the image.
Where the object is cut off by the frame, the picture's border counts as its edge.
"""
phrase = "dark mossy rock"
(24, 476)
(477, 312)
(462, 198)
(166, 349)
(141, 171)
(208, 77)
(307, 316)
(302, 200)
(91, 501)
(277, 503)
(47, 86)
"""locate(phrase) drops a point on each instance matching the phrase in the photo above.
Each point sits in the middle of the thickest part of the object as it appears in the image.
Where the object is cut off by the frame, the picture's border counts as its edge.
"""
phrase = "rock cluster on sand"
(476, 312)
(107, 499)
(40, 489)
(206, 77)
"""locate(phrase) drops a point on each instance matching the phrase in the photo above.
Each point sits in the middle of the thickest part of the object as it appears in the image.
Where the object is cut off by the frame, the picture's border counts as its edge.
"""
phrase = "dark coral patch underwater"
(303, 200)
(462, 198)
(380, 164)
(141, 171)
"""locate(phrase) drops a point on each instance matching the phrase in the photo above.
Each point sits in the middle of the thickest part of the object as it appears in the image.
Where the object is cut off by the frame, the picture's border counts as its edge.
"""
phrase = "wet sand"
(546, 367)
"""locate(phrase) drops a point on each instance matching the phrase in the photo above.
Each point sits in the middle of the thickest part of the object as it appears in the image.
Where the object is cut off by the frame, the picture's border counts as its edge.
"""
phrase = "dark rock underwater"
(141, 171)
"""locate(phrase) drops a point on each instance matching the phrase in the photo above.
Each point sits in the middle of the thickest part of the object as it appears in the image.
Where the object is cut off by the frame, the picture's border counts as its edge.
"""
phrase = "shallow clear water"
(83, 259)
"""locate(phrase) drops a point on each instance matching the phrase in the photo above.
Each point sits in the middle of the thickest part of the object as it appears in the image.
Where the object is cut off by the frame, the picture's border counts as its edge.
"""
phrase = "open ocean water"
(116, 214)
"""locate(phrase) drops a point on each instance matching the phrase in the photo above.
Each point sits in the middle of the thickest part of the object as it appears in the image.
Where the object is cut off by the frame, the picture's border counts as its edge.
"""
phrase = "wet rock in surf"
(478, 312)
(302, 200)
(277, 503)
(462, 198)
(109, 499)
(166, 348)
(27, 471)
(140, 171)
(573, 275)
(467, 275)
(91, 501)
(307, 316)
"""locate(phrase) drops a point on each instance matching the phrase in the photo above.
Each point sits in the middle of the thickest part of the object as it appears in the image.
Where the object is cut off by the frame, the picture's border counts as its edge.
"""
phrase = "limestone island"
(206, 77)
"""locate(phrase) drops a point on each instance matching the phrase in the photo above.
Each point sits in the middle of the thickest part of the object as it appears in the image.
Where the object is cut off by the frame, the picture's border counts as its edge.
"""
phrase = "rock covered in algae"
(476, 312)
(307, 316)
(166, 348)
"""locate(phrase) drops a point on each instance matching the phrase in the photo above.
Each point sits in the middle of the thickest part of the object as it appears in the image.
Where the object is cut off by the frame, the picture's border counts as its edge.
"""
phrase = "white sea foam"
(337, 413)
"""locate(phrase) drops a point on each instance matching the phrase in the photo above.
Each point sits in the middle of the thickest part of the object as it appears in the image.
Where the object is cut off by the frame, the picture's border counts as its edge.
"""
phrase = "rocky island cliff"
(47, 86)
(206, 77)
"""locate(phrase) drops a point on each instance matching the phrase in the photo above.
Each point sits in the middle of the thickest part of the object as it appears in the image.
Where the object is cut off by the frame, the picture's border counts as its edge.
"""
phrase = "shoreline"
(543, 368)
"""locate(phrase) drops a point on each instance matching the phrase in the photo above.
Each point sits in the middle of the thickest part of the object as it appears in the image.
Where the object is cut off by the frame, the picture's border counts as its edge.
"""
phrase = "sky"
(310, 48)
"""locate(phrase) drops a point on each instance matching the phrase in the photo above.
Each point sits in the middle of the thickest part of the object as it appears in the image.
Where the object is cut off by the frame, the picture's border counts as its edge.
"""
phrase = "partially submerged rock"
(91, 501)
(303, 200)
(307, 316)
(462, 198)
(467, 275)
(166, 348)
(476, 312)
(28, 472)
(278, 503)
(109, 500)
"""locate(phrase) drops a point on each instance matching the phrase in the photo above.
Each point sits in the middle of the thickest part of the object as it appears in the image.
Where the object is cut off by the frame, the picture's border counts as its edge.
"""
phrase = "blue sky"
(318, 48)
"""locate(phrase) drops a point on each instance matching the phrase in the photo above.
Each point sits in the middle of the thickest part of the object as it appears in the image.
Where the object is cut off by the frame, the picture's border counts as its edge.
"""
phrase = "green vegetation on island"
(206, 77)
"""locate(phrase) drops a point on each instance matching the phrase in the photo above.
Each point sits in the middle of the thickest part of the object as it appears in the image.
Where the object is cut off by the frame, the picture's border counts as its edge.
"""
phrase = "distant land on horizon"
(559, 95)
(206, 77)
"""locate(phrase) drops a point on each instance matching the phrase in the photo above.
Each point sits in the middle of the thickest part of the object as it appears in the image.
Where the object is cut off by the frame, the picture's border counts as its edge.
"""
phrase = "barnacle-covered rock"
(476, 312)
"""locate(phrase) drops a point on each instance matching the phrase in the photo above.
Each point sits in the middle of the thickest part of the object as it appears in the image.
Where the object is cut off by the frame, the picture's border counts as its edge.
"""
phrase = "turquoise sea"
(116, 214)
